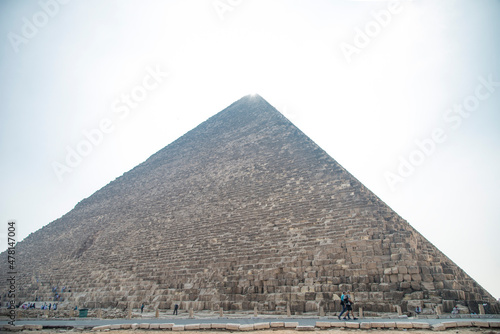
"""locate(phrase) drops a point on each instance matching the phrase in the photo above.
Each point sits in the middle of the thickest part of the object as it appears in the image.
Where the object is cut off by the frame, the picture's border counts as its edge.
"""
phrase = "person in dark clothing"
(176, 308)
(342, 304)
(348, 305)
(142, 307)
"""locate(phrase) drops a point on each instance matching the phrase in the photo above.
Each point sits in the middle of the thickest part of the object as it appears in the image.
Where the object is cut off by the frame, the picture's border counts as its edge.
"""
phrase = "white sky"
(65, 77)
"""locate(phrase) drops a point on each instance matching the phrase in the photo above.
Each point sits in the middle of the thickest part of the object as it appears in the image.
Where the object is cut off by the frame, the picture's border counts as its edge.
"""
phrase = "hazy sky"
(404, 95)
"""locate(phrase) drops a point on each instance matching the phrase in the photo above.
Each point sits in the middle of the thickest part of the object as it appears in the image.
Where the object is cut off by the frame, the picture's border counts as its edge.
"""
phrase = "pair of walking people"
(346, 302)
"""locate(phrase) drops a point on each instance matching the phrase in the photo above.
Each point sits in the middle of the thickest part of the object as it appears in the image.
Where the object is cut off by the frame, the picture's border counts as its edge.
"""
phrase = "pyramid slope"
(242, 211)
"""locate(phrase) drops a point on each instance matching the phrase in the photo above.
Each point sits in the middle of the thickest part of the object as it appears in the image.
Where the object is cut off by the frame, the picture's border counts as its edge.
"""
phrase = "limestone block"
(101, 328)
(15, 328)
(413, 270)
(218, 326)
(323, 324)
(232, 327)
(305, 328)
(365, 325)
(480, 324)
(261, 325)
(205, 326)
(404, 325)
(402, 270)
(464, 323)
(416, 277)
(438, 327)
(192, 327)
(166, 326)
(246, 327)
(33, 327)
(144, 326)
(125, 326)
(405, 285)
(337, 324)
(116, 326)
(352, 325)
(449, 324)
(134, 326)
(154, 326)
(178, 328)
(277, 324)
(390, 324)
(421, 325)
(291, 324)
(493, 324)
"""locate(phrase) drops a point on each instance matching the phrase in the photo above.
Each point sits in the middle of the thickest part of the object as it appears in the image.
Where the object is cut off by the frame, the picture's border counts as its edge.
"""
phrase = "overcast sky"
(405, 96)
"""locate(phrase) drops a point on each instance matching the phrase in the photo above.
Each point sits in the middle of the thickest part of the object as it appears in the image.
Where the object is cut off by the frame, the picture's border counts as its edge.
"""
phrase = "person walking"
(142, 307)
(176, 308)
(342, 304)
(348, 305)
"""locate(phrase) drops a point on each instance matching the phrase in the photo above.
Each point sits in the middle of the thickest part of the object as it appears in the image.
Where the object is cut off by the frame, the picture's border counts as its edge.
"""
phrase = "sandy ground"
(372, 331)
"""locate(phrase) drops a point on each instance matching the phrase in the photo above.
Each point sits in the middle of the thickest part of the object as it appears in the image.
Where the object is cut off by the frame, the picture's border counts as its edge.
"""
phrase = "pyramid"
(243, 211)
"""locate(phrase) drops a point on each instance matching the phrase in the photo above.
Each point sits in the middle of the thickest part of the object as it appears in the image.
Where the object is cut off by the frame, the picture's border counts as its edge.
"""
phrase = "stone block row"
(275, 325)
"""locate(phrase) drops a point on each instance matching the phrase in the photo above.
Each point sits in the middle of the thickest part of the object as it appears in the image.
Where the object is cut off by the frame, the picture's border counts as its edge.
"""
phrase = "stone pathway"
(249, 324)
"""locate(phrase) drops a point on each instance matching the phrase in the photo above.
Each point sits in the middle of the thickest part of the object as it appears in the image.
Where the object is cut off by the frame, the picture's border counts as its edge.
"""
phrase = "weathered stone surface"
(166, 326)
(421, 325)
(116, 326)
(246, 327)
(337, 324)
(365, 325)
(178, 328)
(154, 326)
(205, 326)
(438, 327)
(13, 328)
(305, 328)
(481, 324)
(494, 324)
(352, 324)
(244, 212)
(291, 324)
(450, 324)
(404, 325)
(464, 323)
(144, 326)
(33, 327)
(101, 328)
(277, 324)
(322, 324)
(261, 325)
(390, 324)
(233, 327)
(191, 327)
